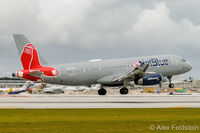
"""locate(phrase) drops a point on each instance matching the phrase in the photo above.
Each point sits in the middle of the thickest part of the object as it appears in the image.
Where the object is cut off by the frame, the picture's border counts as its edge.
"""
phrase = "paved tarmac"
(130, 101)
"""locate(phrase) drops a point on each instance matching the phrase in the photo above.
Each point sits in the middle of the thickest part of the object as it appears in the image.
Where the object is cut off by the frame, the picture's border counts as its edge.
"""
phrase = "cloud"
(155, 27)
(61, 18)
(85, 29)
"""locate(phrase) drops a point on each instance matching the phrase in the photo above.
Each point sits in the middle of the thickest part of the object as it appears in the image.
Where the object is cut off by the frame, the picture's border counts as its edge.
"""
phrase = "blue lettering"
(146, 62)
(159, 62)
(156, 62)
(162, 62)
(166, 62)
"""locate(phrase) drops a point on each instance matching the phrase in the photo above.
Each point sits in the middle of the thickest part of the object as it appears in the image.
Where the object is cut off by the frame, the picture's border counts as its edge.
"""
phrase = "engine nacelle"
(152, 79)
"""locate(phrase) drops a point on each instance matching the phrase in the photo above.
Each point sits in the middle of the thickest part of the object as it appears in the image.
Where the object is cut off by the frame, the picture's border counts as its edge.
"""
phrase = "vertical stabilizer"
(21, 42)
(34, 65)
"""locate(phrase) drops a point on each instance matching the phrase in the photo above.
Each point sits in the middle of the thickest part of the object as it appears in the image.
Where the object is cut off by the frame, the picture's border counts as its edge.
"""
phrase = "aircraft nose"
(189, 66)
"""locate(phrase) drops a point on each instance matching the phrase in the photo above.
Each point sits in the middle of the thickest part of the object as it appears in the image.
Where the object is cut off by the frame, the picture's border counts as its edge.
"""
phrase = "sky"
(66, 31)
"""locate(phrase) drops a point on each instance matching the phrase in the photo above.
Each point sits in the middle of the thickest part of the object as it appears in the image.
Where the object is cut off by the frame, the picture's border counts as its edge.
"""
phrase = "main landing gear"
(102, 91)
(170, 82)
(124, 91)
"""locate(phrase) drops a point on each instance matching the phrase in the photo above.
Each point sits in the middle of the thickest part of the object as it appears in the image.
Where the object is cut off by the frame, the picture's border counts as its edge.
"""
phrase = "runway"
(131, 101)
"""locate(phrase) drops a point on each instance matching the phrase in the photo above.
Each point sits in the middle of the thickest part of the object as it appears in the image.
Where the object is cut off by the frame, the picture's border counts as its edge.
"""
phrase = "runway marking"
(46, 101)
(7, 107)
(12, 96)
(184, 106)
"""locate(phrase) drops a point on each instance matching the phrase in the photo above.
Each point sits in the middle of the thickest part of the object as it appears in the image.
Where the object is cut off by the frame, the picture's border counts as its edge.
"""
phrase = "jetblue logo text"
(156, 62)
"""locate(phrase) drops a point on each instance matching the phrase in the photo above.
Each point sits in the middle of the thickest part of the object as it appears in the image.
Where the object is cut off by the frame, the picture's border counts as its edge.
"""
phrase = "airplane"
(36, 88)
(24, 88)
(144, 70)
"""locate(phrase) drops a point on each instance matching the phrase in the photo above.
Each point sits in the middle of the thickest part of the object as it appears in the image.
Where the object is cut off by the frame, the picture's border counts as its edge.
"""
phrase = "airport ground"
(95, 101)
(88, 112)
(93, 113)
(100, 120)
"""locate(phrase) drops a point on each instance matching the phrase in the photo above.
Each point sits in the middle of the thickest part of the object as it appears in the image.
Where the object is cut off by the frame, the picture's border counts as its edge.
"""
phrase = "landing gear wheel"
(171, 85)
(170, 82)
(102, 91)
(123, 91)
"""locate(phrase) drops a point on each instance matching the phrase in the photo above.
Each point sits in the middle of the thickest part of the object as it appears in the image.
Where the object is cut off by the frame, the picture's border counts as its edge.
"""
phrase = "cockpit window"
(183, 60)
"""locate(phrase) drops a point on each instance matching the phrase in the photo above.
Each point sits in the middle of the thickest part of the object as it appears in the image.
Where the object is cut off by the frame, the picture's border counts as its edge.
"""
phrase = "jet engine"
(152, 79)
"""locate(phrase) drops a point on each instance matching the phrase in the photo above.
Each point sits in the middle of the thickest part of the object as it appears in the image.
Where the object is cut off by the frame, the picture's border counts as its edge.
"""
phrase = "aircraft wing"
(132, 74)
(136, 72)
(109, 79)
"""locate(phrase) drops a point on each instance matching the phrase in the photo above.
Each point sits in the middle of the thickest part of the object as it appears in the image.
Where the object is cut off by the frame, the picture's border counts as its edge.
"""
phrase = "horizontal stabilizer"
(35, 73)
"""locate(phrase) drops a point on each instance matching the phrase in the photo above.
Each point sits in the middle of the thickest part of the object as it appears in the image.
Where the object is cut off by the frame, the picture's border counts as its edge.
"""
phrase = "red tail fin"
(29, 57)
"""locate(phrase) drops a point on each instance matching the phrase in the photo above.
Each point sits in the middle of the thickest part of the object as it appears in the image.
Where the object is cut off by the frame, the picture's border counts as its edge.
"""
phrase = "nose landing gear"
(170, 82)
